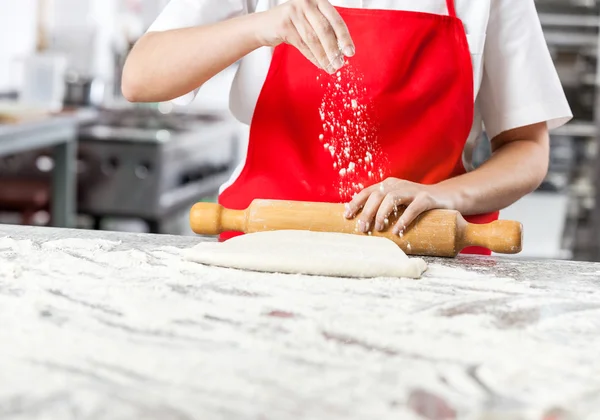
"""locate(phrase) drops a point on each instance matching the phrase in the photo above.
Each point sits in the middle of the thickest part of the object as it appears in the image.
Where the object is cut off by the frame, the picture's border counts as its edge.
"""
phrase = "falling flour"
(349, 132)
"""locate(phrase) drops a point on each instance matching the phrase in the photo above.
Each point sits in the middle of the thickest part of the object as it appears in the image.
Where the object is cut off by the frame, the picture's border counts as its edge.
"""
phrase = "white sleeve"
(188, 13)
(520, 84)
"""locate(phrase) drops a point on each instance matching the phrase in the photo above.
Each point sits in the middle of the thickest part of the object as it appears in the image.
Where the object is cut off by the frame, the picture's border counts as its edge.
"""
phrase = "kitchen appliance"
(42, 84)
(143, 164)
(83, 91)
(571, 29)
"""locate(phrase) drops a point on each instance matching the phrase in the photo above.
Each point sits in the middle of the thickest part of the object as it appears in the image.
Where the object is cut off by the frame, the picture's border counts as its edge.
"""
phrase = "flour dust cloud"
(349, 132)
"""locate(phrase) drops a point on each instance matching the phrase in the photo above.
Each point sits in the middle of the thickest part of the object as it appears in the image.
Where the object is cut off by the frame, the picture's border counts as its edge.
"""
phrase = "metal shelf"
(572, 32)
(578, 20)
(570, 39)
(577, 129)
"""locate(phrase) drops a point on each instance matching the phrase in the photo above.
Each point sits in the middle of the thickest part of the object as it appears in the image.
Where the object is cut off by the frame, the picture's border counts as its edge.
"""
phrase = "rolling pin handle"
(205, 218)
(501, 236)
(214, 219)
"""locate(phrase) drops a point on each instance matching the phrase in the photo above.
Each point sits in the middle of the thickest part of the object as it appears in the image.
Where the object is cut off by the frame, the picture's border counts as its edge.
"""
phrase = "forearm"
(518, 165)
(165, 65)
(514, 170)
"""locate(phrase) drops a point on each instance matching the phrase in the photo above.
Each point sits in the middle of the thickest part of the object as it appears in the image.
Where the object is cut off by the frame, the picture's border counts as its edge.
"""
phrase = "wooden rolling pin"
(436, 233)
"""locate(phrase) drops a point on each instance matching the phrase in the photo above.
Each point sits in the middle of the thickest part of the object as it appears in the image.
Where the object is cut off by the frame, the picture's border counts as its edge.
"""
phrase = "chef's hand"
(312, 26)
(379, 201)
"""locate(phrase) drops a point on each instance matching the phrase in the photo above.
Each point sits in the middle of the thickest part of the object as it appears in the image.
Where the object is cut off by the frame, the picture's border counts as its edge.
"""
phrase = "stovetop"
(144, 125)
(151, 119)
(144, 164)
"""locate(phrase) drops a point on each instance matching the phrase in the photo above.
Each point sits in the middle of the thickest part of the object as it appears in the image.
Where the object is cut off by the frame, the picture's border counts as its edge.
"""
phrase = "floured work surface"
(124, 327)
(313, 253)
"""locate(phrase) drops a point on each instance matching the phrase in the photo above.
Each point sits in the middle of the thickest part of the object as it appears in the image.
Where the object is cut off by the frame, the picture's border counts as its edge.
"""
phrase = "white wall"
(84, 30)
(151, 9)
(18, 36)
(81, 28)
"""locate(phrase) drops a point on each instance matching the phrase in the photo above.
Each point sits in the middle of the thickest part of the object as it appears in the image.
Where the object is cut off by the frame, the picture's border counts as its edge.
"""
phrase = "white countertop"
(97, 325)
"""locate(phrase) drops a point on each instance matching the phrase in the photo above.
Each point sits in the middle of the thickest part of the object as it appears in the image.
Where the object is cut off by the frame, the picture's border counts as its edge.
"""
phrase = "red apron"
(402, 107)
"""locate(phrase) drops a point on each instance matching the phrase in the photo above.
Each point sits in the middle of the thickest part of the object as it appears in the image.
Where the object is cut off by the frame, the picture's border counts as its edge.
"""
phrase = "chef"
(375, 103)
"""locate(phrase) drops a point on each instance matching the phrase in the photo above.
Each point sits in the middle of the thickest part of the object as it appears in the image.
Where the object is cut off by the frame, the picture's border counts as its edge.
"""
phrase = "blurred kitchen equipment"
(24, 197)
(571, 29)
(83, 91)
(145, 164)
(13, 112)
(43, 81)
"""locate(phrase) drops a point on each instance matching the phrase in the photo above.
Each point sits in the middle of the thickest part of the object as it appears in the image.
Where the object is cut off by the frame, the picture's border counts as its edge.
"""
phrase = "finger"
(311, 40)
(345, 42)
(327, 36)
(414, 209)
(389, 205)
(295, 39)
(357, 203)
(367, 216)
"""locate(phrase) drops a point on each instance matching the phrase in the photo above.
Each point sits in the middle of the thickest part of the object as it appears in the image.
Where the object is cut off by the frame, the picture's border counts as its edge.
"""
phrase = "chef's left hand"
(379, 201)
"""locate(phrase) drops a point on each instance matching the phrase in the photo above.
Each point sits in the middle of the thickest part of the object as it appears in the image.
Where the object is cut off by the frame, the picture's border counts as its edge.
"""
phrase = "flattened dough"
(313, 253)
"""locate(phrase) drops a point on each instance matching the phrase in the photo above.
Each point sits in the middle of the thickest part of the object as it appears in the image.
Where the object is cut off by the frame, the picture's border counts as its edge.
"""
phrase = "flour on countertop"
(10, 270)
(148, 321)
(81, 245)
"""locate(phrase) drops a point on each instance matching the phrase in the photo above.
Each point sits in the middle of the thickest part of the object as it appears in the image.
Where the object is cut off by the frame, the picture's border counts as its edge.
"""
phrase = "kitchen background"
(118, 166)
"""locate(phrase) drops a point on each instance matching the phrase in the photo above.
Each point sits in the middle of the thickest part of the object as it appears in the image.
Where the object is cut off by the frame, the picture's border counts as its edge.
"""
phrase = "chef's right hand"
(314, 27)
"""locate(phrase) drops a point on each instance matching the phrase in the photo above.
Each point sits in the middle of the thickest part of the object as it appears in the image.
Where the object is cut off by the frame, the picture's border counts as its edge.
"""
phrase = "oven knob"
(44, 163)
(142, 170)
(109, 166)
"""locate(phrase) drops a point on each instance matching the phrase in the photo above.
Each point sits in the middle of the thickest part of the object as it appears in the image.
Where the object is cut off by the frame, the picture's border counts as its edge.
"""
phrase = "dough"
(313, 253)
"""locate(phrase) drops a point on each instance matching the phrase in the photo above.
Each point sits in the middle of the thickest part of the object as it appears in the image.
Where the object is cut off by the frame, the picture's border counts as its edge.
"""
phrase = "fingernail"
(338, 62)
(363, 226)
(349, 51)
(348, 211)
(379, 226)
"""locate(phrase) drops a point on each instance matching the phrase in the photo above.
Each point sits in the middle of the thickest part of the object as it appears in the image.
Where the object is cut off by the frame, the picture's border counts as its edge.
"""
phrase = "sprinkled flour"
(104, 327)
(350, 132)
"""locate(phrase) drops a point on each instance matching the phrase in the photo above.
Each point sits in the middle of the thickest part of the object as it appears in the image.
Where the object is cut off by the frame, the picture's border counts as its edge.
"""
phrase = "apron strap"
(451, 9)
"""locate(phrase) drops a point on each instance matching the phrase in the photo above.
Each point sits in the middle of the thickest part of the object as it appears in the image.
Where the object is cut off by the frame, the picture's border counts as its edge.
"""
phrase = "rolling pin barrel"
(439, 233)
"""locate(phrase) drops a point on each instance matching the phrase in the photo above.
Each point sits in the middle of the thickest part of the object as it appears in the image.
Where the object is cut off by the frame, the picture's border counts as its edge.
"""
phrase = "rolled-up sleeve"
(179, 14)
(520, 83)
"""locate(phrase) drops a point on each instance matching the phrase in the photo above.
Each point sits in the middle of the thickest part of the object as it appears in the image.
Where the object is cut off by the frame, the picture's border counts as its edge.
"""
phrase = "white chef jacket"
(516, 83)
